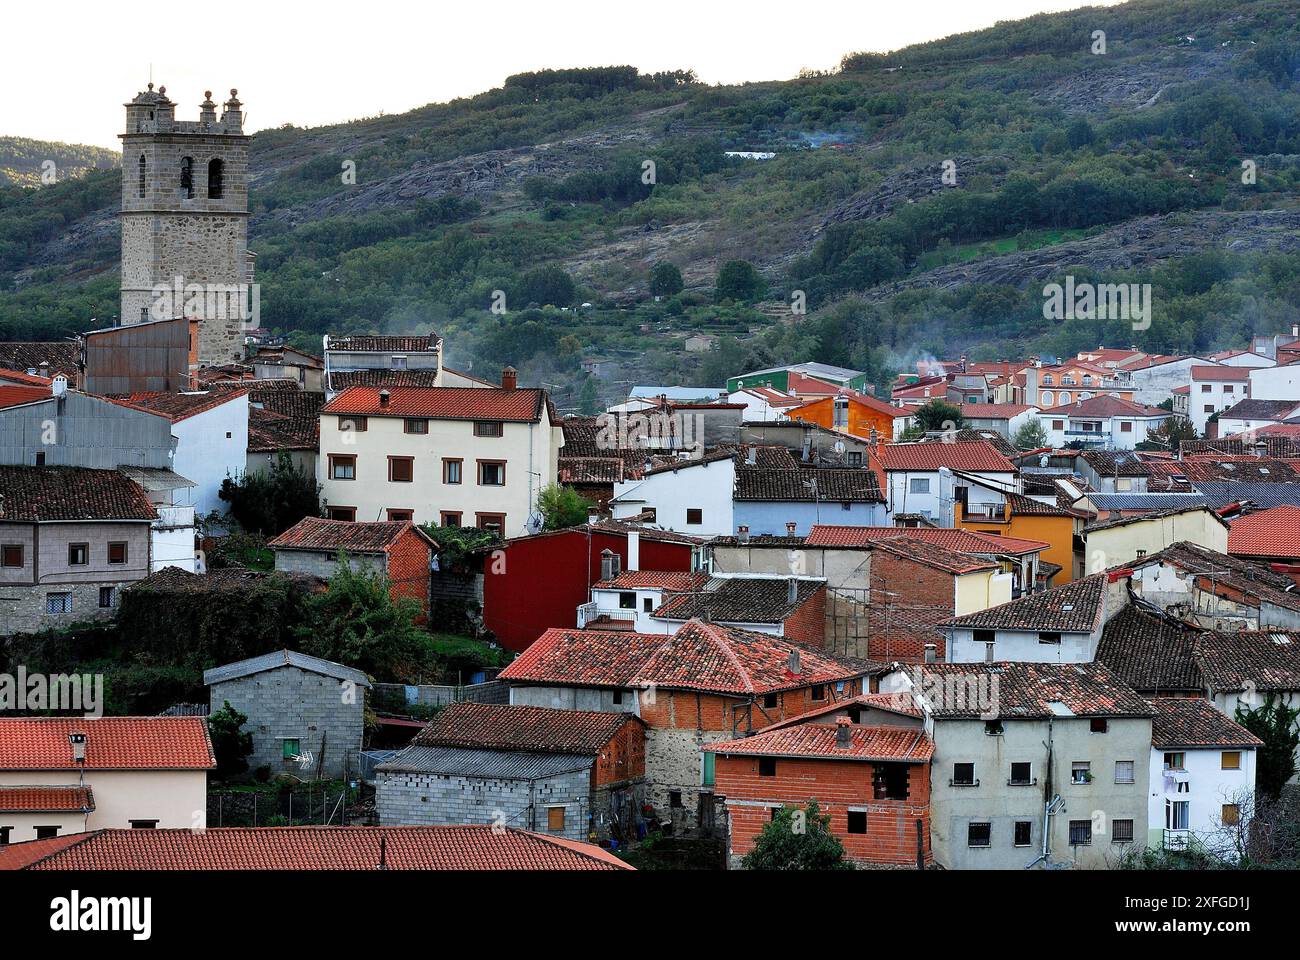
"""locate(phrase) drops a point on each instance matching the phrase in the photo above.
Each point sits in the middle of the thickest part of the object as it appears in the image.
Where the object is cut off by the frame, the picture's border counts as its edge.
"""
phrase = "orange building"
(1029, 519)
(856, 414)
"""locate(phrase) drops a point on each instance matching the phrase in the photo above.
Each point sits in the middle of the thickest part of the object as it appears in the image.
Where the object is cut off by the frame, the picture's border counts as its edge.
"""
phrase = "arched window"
(187, 178)
(1047, 379)
(1047, 398)
(216, 171)
(141, 166)
(1065, 396)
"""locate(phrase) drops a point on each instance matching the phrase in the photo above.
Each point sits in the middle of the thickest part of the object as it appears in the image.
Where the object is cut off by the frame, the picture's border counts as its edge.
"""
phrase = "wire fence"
(302, 805)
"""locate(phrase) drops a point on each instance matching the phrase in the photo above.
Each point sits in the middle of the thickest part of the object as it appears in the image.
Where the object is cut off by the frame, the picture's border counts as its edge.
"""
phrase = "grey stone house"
(569, 773)
(305, 714)
(70, 539)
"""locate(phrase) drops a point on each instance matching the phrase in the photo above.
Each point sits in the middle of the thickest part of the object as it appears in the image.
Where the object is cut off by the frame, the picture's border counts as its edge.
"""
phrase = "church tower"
(185, 220)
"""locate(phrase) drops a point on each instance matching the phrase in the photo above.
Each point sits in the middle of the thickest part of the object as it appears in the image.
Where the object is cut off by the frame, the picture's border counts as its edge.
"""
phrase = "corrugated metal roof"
(1218, 493)
(283, 658)
(1144, 501)
(499, 764)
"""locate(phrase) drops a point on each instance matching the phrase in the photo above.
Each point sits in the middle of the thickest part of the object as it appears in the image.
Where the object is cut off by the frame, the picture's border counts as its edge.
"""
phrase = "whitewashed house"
(1101, 422)
(1214, 390)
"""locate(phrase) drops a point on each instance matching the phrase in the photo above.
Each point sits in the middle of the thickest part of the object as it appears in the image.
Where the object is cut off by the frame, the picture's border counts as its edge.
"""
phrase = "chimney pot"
(742, 533)
(384, 398)
(931, 653)
(509, 378)
(843, 732)
(792, 590)
(794, 666)
(790, 528)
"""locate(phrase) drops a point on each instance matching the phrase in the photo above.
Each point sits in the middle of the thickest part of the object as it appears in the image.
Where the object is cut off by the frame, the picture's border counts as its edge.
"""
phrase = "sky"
(67, 68)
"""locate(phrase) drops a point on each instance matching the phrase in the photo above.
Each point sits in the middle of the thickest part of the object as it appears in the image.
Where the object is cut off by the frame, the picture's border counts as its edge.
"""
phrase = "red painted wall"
(535, 583)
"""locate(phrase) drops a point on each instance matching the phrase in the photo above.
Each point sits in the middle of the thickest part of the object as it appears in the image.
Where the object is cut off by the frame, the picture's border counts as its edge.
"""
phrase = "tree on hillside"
(1030, 436)
(588, 398)
(231, 743)
(1275, 724)
(797, 839)
(665, 280)
(562, 506)
(273, 501)
(738, 280)
(1169, 435)
(545, 286)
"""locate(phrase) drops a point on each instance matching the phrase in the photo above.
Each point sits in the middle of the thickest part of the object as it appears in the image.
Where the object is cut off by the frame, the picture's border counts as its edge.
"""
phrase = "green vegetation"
(562, 507)
(231, 743)
(797, 839)
(271, 502)
(1275, 723)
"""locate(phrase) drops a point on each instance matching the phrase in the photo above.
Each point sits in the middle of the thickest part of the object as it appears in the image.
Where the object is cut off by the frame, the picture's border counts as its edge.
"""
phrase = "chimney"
(790, 528)
(509, 378)
(383, 398)
(843, 732)
(792, 590)
(931, 653)
(793, 666)
(59, 385)
(610, 564)
(78, 741)
(742, 533)
(634, 549)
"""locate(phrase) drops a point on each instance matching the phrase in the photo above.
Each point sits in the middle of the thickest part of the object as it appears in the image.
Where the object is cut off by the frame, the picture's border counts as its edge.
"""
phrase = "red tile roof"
(17, 396)
(178, 406)
(45, 798)
(994, 411)
(369, 343)
(490, 726)
(1020, 691)
(820, 740)
(653, 580)
(42, 494)
(1075, 607)
(523, 405)
(955, 539)
(1269, 533)
(932, 555)
(980, 456)
(1194, 722)
(1106, 406)
(478, 847)
(1220, 373)
(314, 533)
(112, 743)
(701, 656)
(21, 377)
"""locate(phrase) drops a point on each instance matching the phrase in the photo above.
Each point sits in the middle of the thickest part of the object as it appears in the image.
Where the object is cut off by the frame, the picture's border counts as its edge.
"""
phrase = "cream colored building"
(454, 456)
(124, 772)
(1113, 542)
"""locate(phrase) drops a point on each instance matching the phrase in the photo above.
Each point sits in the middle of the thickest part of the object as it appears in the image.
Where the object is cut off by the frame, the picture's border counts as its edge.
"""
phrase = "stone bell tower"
(185, 221)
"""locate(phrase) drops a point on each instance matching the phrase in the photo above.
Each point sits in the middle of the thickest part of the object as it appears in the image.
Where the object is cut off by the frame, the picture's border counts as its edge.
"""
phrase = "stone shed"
(569, 773)
(305, 714)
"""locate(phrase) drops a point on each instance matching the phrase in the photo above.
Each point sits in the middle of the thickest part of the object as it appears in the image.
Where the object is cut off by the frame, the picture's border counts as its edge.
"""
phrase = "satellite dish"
(839, 446)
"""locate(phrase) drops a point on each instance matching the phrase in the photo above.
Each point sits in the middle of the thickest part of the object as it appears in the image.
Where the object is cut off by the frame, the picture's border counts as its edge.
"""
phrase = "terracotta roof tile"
(45, 798)
(315, 533)
(370, 343)
(953, 539)
(523, 405)
(1194, 722)
(342, 379)
(478, 847)
(1149, 652)
(63, 356)
(807, 484)
(740, 600)
(1033, 691)
(1072, 608)
(653, 579)
(933, 555)
(821, 740)
(178, 406)
(1266, 660)
(17, 396)
(980, 456)
(490, 726)
(1268, 533)
(112, 743)
(40, 494)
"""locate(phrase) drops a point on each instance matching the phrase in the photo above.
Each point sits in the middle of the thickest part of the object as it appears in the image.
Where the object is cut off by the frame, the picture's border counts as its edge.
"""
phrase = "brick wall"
(291, 703)
(838, 786)
(808, 623)
(901, 625)
(408, 569)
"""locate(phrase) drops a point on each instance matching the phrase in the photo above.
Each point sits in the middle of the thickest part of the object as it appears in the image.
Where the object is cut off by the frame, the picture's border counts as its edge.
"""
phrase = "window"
(818, 692)
(1049, 637)
(694, 516)
(289, 749)
(491, 522)
(343, 466)
(11, 555)
(4, 836)
(1048, 380)
(400, 516)
(1231, 815)
(415, 425)
(710, 769)
(1205, 388)
(1080, 833)
(58, 603)
(216, 170)
(1173, 761)
(770, 701)
(187, 178)
(857, 821)
(1177, 814)
(1230, 760)
(1097, 725)
(1024, 833)
(117, 551)
(354, 424)
(78, 554)
(1058, 424)
(767, 766)
(889, 781)
(993, 728)
(107, 597)
(40, 458)
(855, 458)
(141, 167)
(985, 636)
(46, 833)
(1126, 426)
(675, 799)
(1121, 831)
(1123, 771)
(648, 605)
(401, 469)
(555, 819)
(449, 518)
(488, 428)
(979, 834)
(627, 601)
(1209, 408)
(1020, 774)
(343, 513)
(1047, 398)
(399, 362)
(451, 470)
(143, 824)
(918, 485)
(1081, 772)
(963, 775)
(491, 473)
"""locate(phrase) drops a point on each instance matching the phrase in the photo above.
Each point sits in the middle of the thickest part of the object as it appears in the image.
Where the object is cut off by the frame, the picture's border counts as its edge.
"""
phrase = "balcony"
(592, 615)
(1177, 839)
(174, 518)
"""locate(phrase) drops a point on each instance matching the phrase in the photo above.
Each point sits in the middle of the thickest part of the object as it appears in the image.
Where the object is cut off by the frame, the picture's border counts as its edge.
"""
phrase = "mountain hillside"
(917, 202)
